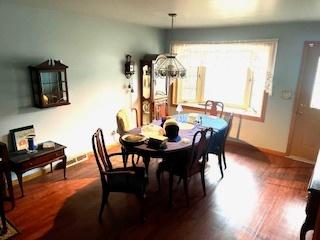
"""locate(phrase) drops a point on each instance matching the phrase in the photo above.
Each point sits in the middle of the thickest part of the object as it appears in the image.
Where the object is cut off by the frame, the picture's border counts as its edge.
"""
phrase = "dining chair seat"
(129, 180)
(124, 179)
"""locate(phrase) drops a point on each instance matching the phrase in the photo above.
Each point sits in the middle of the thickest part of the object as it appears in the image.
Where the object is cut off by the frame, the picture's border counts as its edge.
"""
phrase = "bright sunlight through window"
(235, 73)
(315, 98)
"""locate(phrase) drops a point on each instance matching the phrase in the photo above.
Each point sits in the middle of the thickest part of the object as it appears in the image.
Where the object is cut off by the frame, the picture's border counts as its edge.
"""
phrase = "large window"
(235, 73)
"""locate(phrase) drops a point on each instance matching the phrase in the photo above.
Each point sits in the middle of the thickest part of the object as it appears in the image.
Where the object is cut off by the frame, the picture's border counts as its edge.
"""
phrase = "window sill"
(242, 113)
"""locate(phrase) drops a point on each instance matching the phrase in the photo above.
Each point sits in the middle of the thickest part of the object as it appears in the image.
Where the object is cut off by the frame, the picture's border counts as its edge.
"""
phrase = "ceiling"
(191, 13)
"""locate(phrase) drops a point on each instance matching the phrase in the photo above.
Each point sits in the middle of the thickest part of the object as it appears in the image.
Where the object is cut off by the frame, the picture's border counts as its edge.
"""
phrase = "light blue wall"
(93, 48)
(273, 133)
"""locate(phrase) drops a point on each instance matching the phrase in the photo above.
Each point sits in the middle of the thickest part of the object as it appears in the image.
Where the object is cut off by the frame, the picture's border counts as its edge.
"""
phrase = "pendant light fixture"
(168, 65)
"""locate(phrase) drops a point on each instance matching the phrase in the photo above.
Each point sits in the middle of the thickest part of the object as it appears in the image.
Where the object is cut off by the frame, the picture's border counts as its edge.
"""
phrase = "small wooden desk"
(24, 161)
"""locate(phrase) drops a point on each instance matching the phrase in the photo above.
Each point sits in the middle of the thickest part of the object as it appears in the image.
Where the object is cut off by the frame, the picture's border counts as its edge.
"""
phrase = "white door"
(305, 141)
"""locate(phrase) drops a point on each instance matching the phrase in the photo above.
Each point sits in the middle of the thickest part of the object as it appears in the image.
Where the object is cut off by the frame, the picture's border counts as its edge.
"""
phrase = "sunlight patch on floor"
(238, 200)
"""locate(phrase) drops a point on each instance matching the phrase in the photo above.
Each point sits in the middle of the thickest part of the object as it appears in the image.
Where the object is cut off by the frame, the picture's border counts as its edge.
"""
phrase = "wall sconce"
(129, 70)
(129, 67)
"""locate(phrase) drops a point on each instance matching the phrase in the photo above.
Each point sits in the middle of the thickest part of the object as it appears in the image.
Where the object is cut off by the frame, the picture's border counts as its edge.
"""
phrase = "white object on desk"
(48, 144)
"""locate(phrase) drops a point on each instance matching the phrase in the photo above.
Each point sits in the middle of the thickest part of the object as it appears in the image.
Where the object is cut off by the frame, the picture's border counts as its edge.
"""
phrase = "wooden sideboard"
(23, 161)
(313, 203)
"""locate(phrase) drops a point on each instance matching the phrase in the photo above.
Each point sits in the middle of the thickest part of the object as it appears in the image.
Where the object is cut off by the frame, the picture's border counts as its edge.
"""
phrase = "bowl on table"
(133, 139)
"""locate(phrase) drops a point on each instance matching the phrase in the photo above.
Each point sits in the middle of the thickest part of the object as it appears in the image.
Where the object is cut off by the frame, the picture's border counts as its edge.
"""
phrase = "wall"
(274, 131)
(93, 48)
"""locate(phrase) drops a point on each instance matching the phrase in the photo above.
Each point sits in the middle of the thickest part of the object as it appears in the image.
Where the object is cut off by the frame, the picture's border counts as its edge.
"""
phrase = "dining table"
(189, 124)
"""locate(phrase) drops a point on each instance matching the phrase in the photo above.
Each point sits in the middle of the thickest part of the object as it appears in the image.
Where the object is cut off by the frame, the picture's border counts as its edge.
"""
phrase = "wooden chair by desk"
(5, 178)
(24, 161)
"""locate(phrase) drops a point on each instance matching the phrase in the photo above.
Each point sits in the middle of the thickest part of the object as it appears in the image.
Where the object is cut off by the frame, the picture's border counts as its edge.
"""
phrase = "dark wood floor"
(260, 197)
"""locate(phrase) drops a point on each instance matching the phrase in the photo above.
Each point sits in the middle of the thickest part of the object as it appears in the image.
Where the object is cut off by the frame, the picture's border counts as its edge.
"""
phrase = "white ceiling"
(191, 13)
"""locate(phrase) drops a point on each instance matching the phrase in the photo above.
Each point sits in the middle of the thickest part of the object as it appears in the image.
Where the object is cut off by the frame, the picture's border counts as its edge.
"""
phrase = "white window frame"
(246, 107)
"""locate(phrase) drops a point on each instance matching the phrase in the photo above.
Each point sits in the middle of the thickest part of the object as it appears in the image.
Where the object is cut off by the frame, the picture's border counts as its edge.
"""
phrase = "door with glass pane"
(305, 141)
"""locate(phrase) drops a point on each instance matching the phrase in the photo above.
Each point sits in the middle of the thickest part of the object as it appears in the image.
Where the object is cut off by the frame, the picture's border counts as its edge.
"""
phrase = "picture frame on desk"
(19, 137)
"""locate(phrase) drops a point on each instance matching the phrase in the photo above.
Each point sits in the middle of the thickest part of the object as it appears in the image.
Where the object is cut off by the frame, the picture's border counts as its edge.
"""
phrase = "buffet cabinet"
(153, 91)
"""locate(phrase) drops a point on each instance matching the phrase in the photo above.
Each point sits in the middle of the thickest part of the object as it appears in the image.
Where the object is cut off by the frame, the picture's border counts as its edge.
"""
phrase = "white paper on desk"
(48, 144)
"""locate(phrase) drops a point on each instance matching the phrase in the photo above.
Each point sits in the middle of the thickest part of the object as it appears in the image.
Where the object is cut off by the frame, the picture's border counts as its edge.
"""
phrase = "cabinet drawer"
(43, 160)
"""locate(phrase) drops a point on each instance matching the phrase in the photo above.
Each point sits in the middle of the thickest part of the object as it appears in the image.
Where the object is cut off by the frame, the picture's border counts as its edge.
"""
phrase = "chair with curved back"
(188, 163)
(214, 108)
(123, 179)
(219, 141)
(125, 122)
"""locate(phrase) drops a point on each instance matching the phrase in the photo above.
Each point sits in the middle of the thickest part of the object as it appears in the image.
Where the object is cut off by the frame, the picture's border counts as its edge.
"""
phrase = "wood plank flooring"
(260, 197)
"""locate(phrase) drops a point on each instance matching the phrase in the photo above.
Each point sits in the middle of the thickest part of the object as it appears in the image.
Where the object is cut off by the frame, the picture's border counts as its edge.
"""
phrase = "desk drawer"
(43, 160)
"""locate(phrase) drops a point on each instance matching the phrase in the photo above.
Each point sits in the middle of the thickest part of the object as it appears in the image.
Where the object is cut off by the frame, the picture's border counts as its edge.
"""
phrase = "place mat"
(11, 231)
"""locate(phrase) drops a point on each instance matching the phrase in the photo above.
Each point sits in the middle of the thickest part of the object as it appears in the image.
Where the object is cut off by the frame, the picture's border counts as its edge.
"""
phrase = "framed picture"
(19, 137)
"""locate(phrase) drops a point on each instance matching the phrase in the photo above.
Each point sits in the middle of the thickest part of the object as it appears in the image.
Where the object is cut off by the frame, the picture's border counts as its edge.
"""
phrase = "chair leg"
(170, 188)
(124, 157)
(203, 182)
(224, 159)
(104, 200)
(158, 173)
(146, 161)
(142, 214)
(138, 158)
(185, 185)
(303, 231)
(2, 213)
(132, 160)
(220, 165)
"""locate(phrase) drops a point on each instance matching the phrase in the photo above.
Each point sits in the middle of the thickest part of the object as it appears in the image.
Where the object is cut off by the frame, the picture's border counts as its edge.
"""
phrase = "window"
(235, 73)
(315, 97)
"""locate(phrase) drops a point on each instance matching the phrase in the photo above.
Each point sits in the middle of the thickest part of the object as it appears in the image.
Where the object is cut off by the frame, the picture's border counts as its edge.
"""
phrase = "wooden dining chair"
(214, 108)
(188, 163)
(122, 179)
(5, 171)
(218, 143)
(127, 119)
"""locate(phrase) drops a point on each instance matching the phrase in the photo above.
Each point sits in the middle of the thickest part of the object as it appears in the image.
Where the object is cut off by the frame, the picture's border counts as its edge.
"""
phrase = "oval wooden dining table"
(186, 132)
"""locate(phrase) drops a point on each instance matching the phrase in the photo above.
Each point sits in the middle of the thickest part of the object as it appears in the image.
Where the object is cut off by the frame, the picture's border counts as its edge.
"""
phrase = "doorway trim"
(297, 95)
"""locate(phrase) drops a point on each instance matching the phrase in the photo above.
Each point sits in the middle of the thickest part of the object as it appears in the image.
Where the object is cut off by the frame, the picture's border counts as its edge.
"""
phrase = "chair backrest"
(200, 148)
(101, 154)
(126, 121)
(228, 118)
(4, 156)
(4, 152)
(214, 108)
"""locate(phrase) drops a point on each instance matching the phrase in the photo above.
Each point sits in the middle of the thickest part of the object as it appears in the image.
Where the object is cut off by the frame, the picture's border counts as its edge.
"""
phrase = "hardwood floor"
(260, 197)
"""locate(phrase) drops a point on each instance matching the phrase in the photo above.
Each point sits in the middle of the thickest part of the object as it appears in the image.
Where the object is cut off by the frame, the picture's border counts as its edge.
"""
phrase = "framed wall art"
(20, 136)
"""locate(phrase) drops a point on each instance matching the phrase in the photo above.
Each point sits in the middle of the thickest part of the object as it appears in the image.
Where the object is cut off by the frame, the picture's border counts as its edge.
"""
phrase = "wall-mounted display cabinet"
(153, 91)
(49, 84)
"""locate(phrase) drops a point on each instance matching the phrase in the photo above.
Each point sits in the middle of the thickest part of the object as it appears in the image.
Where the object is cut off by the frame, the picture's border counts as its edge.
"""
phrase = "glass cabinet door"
(54, 89)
